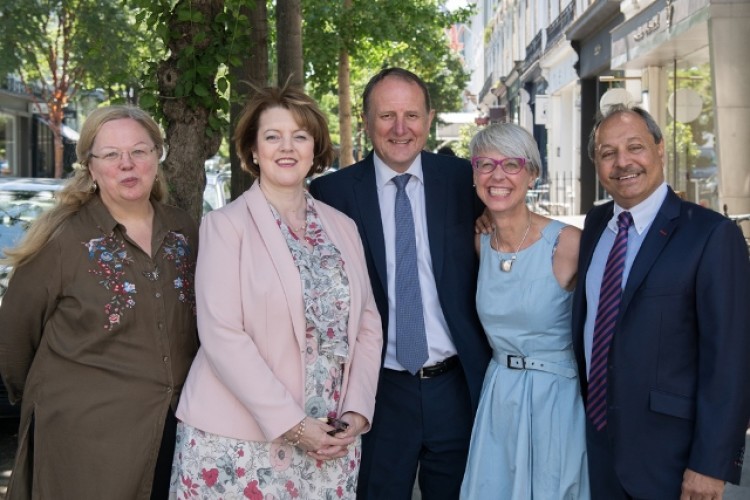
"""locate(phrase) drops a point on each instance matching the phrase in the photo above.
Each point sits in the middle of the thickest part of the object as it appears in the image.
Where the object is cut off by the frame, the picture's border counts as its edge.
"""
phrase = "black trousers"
(163, 470)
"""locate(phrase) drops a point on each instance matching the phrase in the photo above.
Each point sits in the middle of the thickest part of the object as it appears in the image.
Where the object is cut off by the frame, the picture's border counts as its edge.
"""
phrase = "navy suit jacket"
(451, 207)
(679, 390)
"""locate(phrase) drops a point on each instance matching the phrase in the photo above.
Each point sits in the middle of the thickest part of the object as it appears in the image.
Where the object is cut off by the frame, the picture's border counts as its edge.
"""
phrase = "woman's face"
(284, 151)
(124, 162)
(501, 191)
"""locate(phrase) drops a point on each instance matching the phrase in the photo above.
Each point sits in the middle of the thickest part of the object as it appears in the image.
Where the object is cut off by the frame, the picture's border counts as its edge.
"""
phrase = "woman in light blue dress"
(529, 439)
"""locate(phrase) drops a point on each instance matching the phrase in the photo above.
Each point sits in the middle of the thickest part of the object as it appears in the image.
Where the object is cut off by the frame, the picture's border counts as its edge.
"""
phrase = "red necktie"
(604, 326)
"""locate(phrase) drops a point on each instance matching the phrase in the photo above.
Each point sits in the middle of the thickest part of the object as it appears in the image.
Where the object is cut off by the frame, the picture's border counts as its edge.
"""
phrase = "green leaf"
(200, 90)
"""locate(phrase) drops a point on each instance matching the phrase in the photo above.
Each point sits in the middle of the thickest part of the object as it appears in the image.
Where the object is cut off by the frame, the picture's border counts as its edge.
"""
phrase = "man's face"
(628, 160)
(398, 122)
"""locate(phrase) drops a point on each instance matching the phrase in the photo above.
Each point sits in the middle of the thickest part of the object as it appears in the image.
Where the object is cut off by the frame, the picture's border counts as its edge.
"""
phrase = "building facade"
(550, 66)
(26, 141)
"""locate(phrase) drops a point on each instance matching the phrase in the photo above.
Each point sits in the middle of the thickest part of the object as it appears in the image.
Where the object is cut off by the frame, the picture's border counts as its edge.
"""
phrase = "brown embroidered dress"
(96, 339)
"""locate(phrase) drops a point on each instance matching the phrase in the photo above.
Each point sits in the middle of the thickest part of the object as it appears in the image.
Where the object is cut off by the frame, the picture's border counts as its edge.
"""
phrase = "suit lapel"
(435, 210)
(279, 254)
(658, 236)
(366, 196)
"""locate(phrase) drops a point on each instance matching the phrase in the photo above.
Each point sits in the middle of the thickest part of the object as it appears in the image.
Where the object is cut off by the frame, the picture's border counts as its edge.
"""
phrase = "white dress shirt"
(643, 215)
(439, 341)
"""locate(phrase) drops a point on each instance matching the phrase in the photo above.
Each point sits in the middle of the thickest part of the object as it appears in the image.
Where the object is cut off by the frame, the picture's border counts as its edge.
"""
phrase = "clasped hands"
(318, 444)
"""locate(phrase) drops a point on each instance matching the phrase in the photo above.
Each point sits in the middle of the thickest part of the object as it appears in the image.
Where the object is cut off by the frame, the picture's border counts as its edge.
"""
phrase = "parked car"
(217, 192)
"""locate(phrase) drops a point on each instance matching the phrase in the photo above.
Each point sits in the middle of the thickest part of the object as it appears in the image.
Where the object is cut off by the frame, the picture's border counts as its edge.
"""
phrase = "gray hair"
(509, 140)
(616, 109)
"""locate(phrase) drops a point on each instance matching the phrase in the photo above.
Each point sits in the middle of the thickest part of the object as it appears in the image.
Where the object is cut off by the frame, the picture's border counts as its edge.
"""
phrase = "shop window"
(692, 166)
(7, 145)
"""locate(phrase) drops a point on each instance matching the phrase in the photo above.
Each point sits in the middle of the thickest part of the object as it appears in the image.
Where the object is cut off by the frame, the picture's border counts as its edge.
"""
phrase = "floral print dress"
(213, 467)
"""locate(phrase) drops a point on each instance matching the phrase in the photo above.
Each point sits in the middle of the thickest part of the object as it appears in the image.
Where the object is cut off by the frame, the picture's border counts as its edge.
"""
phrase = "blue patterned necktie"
(604, 325)
(411, 342)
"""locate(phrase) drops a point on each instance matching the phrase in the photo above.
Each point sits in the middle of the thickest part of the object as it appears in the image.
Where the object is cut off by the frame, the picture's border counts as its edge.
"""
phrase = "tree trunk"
(55, 117)
(189, 144)
(254, 70)
(289, 42)
(346, 153)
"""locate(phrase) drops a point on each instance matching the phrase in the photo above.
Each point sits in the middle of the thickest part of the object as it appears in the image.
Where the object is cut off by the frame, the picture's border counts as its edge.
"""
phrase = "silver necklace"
(507, 264)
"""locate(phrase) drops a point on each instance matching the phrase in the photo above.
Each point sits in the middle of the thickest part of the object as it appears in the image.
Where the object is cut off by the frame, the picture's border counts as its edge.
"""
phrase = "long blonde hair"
(80, 189)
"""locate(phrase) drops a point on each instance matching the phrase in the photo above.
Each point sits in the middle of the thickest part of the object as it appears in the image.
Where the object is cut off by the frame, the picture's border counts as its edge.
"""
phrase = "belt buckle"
(515, 362)
(437, 367)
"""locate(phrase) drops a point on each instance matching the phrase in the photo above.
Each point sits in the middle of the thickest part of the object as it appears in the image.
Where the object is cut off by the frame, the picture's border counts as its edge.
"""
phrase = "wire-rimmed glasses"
(112, 156)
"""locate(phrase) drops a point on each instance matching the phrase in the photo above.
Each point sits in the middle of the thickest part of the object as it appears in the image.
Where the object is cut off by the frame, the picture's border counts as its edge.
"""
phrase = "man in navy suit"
(676, 401)
(422, 419)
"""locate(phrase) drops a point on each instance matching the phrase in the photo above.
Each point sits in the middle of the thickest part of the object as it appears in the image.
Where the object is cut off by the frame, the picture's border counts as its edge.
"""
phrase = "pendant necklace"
(507, 264)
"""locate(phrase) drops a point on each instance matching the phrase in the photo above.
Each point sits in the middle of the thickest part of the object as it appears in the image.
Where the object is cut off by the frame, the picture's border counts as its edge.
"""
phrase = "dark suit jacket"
(679, 388)
(452, 207)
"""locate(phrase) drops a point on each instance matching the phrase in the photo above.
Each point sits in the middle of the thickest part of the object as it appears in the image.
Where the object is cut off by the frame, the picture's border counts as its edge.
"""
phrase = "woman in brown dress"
(97, 328)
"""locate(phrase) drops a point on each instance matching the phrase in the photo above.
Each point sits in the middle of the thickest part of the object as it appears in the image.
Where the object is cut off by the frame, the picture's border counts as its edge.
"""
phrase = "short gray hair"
(509, 140)
(615, 109)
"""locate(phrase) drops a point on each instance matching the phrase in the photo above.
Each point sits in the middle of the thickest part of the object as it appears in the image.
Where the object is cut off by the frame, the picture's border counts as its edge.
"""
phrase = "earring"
(255, 160)
(93, 187)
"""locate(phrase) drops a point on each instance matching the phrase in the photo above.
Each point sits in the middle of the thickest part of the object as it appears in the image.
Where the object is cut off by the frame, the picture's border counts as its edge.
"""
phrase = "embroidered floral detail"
(111, 257)
(177, 251)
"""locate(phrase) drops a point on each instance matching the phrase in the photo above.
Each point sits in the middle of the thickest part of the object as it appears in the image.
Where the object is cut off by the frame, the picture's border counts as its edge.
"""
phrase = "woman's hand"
(316, 441)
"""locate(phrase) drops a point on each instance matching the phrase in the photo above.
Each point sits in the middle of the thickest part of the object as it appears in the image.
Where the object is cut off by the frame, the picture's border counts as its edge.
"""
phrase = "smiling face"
(397, 121)
(284, 151)
(628, 160)
(123, 181)
(499, 191)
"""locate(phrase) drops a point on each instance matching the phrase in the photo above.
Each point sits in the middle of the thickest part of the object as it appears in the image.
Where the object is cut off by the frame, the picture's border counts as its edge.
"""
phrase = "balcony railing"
(558, 26)
(534, 49)
(485, 88)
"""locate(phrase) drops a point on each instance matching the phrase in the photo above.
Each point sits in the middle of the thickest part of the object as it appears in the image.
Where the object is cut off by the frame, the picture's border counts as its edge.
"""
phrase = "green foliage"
(201, 48)
(91, 42)
(465, 133)
(378, 34)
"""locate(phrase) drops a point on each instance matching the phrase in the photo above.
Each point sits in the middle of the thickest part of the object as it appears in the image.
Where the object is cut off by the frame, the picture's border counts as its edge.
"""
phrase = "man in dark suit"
(425, 407)
(668, 395)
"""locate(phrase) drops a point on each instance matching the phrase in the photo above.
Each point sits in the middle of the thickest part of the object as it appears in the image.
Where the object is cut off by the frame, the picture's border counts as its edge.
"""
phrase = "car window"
(17, 210)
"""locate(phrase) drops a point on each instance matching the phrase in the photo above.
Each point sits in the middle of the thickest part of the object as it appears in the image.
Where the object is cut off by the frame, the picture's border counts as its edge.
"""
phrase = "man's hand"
(699, 487)
(483, 224)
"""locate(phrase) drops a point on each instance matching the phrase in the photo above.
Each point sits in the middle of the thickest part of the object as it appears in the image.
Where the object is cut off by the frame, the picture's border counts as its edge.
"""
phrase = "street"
(9, 429)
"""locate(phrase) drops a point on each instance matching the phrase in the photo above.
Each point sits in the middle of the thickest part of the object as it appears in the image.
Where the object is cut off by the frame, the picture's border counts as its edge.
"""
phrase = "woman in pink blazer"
(284, 382)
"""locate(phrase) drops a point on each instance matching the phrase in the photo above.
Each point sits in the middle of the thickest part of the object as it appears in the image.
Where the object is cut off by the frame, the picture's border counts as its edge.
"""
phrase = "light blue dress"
(529, 436)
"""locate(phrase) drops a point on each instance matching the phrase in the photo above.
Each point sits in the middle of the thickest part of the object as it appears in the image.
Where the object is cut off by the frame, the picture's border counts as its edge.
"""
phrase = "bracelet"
(297, 435)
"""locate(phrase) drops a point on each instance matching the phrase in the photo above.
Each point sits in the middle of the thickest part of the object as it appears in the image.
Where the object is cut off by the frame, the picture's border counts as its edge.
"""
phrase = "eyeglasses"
(485, 165)
(115, 155)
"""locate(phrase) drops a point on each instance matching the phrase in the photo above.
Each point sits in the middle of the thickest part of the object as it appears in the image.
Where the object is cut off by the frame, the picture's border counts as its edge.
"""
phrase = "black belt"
(438, 368)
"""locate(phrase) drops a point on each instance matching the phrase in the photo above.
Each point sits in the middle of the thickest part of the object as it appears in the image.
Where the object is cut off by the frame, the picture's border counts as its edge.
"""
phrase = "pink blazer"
(247, 380)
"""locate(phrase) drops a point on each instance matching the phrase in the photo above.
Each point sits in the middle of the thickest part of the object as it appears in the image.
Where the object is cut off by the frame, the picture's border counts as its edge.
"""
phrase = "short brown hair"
(306, 113)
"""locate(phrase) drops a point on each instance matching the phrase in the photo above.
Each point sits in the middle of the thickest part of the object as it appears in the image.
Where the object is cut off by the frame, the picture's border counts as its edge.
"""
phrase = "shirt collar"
(384, 174)
(163, 221)
(643, 213)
